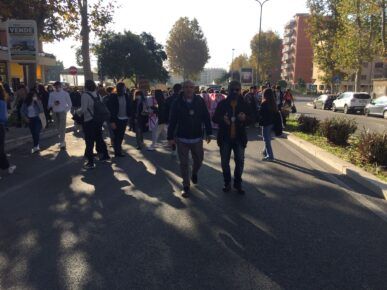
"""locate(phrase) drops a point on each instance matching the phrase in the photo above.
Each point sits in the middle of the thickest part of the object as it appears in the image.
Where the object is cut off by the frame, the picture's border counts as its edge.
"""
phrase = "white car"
(351, 102)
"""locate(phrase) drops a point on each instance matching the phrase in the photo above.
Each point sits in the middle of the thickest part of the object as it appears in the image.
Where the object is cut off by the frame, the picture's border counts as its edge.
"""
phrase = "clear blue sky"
(227, 24)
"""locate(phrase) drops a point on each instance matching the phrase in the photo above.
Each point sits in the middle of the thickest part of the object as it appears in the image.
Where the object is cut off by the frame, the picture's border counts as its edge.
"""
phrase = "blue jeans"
(35, 127)
(266, 133)
(239, 158)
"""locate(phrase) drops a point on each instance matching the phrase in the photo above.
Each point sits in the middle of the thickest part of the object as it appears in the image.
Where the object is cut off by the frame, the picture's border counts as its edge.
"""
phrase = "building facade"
(22, 60)
(297, 53)
(371, 71)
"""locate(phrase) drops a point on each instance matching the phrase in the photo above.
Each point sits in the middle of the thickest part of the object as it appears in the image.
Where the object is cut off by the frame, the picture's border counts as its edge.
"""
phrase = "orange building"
(297, 54)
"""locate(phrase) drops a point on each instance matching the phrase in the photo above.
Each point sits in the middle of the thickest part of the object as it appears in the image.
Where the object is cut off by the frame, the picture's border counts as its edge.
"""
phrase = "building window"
(363, 77)
(379, 65)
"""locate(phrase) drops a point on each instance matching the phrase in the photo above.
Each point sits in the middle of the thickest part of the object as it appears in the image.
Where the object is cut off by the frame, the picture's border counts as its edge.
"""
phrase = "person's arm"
(3, 112)
(173, 117)
(218, 118)
(69, 103)
(84, 104)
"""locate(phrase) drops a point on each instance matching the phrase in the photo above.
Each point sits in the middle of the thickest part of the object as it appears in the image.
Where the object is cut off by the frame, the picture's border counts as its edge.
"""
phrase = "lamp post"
(261, 3)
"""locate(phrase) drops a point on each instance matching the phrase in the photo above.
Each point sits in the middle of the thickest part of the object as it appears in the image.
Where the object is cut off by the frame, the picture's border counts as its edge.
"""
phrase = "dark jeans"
(239, 157)
(266, 134)
(118, 135)
(35, 127)
(197, 153)
(93, 135)
(4, 164)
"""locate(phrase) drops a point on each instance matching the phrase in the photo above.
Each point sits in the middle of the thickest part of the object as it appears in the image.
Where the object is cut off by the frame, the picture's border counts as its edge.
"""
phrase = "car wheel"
(385, 114)
(314, 106)
(346, 110)
(334, 108)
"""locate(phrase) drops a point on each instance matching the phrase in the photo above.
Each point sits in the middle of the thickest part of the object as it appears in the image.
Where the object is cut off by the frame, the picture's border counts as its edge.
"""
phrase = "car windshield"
(362, 96)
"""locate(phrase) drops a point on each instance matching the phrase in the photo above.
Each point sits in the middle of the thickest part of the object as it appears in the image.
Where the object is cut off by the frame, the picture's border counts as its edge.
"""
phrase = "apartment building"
(297, 54)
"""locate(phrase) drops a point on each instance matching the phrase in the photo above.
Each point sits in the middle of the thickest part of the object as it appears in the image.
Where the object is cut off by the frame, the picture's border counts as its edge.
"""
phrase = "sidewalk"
(16, 137)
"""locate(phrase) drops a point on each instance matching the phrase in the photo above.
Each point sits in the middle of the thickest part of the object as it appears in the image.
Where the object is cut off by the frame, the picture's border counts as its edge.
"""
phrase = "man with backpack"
(94, 114)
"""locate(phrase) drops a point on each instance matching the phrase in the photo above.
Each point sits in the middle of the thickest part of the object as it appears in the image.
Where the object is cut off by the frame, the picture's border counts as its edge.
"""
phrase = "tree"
(323, 26)
(127, 55)
(187, 48)
(270, 53)
(358, 37)
(58, 19)
(241, 61)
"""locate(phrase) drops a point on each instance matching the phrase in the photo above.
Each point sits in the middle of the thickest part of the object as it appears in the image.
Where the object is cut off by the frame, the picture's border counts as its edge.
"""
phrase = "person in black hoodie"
(119, 105)
(267, 115)
(187, 116)
(232, 115)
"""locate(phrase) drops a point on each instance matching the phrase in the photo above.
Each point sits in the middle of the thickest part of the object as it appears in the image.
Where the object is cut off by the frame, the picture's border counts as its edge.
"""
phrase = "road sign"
(73, 70)
(246, 76)
(336, 79)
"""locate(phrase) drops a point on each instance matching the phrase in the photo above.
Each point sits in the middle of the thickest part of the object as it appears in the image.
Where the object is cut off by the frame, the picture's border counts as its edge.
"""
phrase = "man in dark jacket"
(169, 101)
(187, 116)
(232, 115)
(119, 106)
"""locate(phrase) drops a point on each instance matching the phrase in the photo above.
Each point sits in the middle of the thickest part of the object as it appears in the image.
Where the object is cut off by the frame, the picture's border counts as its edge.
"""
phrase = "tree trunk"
(357, 80)
(85, 36)
(383, 7)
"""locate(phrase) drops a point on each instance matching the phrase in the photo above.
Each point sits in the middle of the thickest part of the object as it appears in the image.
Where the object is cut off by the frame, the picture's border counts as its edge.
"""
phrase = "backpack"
(101, 112)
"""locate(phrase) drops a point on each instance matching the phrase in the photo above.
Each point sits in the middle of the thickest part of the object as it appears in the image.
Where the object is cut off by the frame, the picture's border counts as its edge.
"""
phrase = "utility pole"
(261, 3)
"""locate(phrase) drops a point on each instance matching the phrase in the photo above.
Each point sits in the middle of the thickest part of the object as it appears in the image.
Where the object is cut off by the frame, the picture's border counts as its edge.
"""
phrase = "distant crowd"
(184, 115)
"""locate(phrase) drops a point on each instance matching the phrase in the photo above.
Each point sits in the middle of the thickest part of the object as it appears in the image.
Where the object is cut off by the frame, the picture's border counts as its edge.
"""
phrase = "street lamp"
(261, 3)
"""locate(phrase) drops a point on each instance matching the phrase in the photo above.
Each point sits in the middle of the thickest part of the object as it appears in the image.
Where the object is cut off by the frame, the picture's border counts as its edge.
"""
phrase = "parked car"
(377, 107)
(324, 102)
(351, 102)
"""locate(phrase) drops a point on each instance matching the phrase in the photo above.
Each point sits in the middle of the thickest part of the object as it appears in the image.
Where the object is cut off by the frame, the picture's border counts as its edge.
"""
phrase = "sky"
(227, 24)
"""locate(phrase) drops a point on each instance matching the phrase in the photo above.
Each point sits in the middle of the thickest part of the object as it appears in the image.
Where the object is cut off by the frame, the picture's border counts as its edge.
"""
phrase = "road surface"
(124, 224)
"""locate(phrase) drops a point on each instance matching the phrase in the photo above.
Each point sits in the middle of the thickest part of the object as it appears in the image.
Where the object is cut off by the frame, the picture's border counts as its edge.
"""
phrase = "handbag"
(294, 109)
(43, 119)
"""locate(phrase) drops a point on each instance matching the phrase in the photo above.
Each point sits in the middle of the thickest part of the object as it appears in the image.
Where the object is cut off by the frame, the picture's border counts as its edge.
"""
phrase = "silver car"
(377, 107)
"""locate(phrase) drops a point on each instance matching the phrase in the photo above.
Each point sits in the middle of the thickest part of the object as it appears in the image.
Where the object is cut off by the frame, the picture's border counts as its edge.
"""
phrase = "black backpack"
(101, 112)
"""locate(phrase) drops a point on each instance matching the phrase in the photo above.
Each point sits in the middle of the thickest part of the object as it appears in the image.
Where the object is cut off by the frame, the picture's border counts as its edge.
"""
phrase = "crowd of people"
(183, 115)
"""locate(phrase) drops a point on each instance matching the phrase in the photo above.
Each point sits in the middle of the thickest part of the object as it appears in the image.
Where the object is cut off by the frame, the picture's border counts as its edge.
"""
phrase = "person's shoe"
(104, 158)
(227, 188)
(89, 165)
(194, 178)
(35, 149)
(185, 192)
(63, 145)
(11, 169)
(239, 189)
(151, 148)
(267, 159)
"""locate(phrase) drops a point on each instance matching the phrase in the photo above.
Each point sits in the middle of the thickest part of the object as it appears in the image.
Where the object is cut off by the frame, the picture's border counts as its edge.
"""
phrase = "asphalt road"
(374, 124)
(125, 226)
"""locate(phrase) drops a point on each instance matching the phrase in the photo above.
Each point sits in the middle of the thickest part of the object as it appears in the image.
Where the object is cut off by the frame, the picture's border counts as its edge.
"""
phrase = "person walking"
(20, 96)
(140, 116)
(119, 105)
(267, 114)
(60, 103)
(162, 118)
(44, 96)
(233, 115)
(187, 117)
(91, 127)
(4, 163)
(176, 91)
(30, 110)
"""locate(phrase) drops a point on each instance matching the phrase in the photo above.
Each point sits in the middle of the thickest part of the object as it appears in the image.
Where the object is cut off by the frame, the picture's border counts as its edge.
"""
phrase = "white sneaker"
(35, 149)
(11, 169)
(151, 148)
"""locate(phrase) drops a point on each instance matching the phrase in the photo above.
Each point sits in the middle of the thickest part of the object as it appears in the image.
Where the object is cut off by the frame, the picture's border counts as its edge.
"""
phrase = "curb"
(355, 173)
(45, 134)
